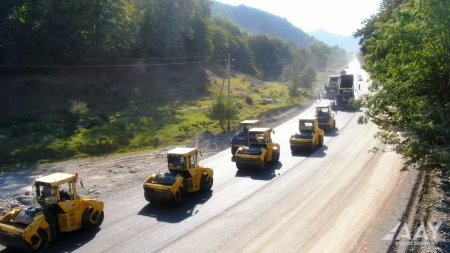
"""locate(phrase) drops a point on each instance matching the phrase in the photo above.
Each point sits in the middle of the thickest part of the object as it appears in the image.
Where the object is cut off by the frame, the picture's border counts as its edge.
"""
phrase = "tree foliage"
(406, 47)
(48, 32)
(224, 110)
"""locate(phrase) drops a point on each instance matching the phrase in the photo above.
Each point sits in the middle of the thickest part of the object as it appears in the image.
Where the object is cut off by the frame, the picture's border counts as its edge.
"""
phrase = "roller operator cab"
(61, 210)
(240, 139)
(185, 175)
(309, 137)
(259, 152)
(325, 118)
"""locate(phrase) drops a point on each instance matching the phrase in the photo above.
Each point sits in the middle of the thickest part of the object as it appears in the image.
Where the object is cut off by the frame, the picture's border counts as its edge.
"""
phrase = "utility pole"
(283, 79)
(229, 75)
(229, 88)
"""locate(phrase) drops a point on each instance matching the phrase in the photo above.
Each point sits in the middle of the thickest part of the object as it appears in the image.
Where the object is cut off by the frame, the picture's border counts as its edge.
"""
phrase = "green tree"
(308, 76)
(78, 111)
(407, 52)
(224, 110)
(319, 53)
(228, 38)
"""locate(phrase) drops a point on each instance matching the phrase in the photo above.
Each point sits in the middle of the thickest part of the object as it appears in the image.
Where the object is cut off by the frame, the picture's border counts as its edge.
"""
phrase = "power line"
(113, 58)
(108, 66)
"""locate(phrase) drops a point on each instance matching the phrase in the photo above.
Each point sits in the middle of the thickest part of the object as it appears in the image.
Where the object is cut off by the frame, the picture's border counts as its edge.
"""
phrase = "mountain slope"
(259, 22)
(346, 42)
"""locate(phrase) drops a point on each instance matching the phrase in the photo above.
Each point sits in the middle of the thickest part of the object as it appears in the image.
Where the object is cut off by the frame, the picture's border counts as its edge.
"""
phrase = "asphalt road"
(317, 203)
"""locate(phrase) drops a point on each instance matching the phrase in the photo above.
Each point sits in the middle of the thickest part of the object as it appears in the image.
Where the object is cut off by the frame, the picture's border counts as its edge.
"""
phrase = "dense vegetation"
(46, 32)
(260, 22)
(406, 48)
(95, 77)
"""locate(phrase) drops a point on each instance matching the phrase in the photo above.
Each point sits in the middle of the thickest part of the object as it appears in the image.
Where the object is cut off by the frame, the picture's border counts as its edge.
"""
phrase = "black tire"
(41, 240)
(233, 150)
(239, 165)
(293, 150)
(320, 141)
(96, 215)
(206, 183)
(100, 216)
(148, 196)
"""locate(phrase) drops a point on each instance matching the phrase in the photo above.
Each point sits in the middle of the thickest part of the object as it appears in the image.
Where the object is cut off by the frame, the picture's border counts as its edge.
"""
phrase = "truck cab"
(346, 91)
(331, 88)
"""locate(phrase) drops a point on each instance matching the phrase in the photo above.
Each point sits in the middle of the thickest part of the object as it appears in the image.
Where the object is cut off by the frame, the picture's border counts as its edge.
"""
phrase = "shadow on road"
(332, 133)
(176, 214)
(319, 153)
(69, 242)
(266, 175)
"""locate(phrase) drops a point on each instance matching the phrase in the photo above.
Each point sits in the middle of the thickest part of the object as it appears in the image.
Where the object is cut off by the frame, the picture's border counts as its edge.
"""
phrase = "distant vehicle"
(343, 72)
(360, 78)
(185, 175)
(346, 92)
(331, 88)
(240, 139)
(260, 150)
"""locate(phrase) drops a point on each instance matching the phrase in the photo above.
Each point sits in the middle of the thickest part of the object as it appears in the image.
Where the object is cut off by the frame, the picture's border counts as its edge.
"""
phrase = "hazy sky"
(336, 16)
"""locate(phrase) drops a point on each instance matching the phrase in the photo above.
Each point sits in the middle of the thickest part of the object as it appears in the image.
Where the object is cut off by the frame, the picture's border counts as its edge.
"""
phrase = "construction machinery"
(185, 175)
(325, 117)
(331, 88)
(61, 210)
(346, 92)
(259, 152)
(240, 139)
(309, 138)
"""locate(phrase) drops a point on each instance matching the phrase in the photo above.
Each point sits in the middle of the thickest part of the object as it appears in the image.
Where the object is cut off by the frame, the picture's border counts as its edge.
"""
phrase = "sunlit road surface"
(317, 203)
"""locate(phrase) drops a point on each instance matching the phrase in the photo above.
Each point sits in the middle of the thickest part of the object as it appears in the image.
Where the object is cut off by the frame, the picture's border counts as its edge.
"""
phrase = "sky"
(342, 17)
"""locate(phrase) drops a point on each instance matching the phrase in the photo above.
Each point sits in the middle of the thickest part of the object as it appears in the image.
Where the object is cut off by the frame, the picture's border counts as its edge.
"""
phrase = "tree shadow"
(176, 214)
(268, 174)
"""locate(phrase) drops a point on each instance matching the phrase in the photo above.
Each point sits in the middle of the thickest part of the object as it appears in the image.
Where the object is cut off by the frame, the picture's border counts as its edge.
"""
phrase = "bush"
(248, 100)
